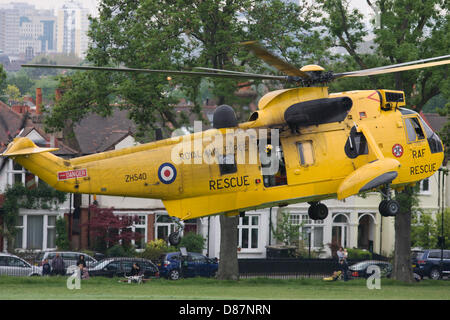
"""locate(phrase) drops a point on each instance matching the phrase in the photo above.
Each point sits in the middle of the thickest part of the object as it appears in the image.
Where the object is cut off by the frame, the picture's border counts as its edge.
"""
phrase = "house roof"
(434, 120)
(10, 126)
(98, 134)
(10, 123)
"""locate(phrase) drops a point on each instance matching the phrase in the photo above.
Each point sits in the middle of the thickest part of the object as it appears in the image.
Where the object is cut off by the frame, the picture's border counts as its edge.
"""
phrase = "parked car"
(120, 267)
(195, 265)
(11, 265)
(416, 253)
(429, 263)
(359, 270)
(70, 258)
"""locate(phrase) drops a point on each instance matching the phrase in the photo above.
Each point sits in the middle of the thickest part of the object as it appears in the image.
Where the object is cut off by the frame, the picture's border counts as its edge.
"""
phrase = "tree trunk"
(402, 269)
(228, 266)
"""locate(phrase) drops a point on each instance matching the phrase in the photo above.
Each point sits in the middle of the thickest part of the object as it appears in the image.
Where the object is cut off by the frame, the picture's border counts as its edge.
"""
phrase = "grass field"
(54, 288)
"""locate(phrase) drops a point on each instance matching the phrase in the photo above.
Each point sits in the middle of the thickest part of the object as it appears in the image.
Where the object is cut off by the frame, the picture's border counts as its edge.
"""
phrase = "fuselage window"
(276, 155)
(305, 152)
(227, 164)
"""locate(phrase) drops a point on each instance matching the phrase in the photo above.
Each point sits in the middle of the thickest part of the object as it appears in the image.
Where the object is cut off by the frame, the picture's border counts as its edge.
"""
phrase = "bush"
(62, 238)
(192, 242)
(154, 249)
(120, 251)
(358, 254)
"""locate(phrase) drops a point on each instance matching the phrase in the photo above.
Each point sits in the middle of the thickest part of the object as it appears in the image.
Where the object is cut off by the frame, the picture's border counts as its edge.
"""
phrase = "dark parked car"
(194, 265)
(428, 264)
(121, 267)
(359, 270)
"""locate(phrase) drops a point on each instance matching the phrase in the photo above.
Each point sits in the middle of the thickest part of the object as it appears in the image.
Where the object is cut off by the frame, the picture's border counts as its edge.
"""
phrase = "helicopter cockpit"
(417, 129)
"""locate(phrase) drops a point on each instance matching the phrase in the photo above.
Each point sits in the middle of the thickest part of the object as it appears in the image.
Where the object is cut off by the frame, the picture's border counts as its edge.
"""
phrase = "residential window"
(35, 232)
(18, 241)
(51, 232)
(295, 219)
(339, 231)
(248, 235)
(140, 227)
(164, 226)
(18, 175)
(424, 186)
(315, 227)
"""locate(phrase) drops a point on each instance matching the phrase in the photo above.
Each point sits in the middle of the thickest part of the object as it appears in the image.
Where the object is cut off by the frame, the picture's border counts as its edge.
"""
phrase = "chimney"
(38, 100)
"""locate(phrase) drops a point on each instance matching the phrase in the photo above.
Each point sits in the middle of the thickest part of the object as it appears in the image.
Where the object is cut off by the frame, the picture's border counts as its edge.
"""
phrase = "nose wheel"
(317, 211)
(175, 237)
(388, 207)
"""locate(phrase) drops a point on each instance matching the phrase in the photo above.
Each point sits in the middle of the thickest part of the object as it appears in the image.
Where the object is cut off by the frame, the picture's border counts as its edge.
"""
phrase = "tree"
(403, 30)
(179, 35)
(62, 237)
(109, 229)
(286, 232)
(13, 93)
(21, 80)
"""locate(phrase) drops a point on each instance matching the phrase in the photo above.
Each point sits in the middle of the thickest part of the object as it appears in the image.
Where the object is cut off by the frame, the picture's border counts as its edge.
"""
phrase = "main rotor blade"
(273, 60)
(224, 71)
(168, 72)
(375, 71)
(396, 65)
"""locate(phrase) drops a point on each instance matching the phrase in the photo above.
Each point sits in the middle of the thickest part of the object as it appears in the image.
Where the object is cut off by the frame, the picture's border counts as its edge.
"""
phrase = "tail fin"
(39, 161)
(24, 146)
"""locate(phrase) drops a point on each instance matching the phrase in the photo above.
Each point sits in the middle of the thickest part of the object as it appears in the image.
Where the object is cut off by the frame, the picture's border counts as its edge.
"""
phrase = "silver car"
(70, 258)
(11, 265)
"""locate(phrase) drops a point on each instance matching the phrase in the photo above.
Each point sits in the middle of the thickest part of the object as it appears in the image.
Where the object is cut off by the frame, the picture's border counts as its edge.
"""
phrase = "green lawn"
(37, 288)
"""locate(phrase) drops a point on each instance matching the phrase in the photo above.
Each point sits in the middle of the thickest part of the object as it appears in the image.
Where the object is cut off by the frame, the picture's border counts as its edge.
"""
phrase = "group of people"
(57, 267)
(342, 257)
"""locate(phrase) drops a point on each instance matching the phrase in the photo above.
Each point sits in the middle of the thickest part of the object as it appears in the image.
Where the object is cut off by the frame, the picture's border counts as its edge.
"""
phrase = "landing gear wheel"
(392, 207)
(174, 238)
(317, 211)
(389, 208)
(382, 208)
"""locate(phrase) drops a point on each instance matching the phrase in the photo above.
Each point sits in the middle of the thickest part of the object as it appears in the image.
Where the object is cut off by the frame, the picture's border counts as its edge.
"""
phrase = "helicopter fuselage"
(375, 142)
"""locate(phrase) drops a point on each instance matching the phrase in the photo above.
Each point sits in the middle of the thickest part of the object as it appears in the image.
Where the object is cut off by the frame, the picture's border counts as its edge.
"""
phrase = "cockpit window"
(433, 139)
(414, 129)
(428, 130)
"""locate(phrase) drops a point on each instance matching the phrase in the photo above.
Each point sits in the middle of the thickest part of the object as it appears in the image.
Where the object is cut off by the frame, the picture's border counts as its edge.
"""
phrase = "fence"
(289, 268)
(286, 268)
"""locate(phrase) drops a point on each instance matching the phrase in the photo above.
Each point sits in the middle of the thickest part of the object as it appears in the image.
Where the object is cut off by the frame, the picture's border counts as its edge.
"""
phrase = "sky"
(46, 4)
(91, 4)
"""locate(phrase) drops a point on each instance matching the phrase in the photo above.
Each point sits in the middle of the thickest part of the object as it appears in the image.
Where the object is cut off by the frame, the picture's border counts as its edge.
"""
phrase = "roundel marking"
(397, 150)
(167, 173)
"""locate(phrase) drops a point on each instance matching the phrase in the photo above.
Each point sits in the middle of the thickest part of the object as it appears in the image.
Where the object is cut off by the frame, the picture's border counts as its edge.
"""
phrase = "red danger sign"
(72, 174)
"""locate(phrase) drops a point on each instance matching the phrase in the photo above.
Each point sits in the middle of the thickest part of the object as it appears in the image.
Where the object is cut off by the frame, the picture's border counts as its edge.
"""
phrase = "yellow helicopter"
(301, 145)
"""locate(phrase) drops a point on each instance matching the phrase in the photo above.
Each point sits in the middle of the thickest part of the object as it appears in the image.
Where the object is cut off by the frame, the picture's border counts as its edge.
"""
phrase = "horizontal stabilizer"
(369, 176)
(24, 146)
